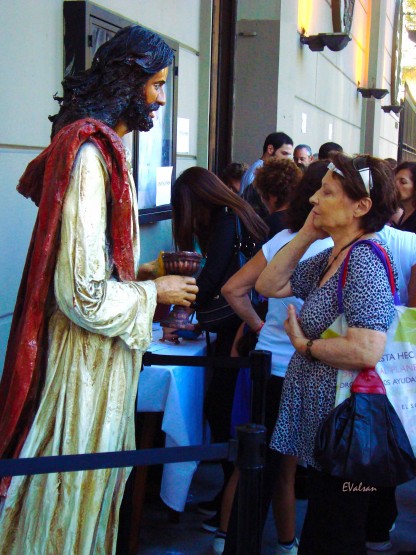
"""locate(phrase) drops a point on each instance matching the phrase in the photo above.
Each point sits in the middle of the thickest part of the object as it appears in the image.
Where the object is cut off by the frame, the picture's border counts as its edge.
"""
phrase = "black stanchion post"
(260, 370)
(250, 461)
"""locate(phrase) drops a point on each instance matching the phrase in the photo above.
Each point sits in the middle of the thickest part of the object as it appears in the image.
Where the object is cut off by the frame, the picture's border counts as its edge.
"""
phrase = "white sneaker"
(379, 546)
(282, 550)
(218, 544)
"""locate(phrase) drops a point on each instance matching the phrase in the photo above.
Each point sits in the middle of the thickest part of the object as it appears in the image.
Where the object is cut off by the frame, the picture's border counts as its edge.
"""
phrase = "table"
(178, 392)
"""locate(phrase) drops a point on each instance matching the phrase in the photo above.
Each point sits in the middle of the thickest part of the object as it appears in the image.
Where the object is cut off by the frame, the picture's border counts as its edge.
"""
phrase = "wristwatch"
(308, 353)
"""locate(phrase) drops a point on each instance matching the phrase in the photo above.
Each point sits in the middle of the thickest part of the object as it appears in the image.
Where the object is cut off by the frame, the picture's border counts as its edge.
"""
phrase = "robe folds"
(98, 325)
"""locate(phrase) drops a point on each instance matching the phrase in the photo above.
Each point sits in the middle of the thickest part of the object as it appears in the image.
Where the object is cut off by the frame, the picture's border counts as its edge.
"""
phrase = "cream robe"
(97, 332)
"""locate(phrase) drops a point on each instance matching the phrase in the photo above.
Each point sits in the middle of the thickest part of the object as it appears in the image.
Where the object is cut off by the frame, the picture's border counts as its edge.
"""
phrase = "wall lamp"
(395, 108)
(412, 34)
(375, 93)
(334, 41)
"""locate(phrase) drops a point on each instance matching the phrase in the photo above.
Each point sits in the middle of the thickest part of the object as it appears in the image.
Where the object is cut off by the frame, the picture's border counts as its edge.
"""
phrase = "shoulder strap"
(238, 230)
(383, 256)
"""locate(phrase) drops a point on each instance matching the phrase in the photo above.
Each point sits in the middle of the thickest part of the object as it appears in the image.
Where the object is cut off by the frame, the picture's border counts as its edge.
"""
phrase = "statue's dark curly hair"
(119, 70)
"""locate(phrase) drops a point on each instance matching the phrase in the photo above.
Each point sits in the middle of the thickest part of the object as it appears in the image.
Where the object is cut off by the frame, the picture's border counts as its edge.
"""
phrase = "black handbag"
(216, 313)
(363, 440)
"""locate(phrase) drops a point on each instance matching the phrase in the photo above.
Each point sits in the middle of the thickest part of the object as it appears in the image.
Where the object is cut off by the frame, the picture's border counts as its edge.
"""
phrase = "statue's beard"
(137, 115)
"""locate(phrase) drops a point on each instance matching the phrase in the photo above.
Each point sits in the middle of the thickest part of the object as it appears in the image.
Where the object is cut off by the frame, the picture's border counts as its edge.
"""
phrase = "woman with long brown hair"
(198, 196)
(205, 212)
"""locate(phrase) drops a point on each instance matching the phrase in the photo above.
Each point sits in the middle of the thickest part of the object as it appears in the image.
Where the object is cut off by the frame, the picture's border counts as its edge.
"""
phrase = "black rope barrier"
(150, 359)
(94, 461)
(248, 450)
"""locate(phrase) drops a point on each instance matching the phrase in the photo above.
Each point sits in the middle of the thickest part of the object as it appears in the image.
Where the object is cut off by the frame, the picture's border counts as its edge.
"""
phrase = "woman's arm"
(239, 285)
(359, 348)
(274, 281)
(368, 306)
(238, 336)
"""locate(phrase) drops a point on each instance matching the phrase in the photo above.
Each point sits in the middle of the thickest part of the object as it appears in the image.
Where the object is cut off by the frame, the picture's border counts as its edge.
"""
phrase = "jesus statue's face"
(142, 108)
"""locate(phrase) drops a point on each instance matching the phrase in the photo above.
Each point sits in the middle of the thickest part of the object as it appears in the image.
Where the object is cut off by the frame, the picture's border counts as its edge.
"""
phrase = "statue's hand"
(179, 290)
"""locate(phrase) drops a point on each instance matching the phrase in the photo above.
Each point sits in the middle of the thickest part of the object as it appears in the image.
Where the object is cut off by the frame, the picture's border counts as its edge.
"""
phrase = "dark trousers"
(220, 393)
(339, 521)
(336, 518)
(273, 396)
(382, 512)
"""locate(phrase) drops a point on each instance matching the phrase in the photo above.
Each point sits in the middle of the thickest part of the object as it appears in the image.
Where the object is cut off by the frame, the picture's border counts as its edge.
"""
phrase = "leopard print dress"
(309, 387)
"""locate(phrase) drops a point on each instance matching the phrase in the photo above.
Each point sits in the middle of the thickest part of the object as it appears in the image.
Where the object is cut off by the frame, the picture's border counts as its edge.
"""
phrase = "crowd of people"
(319, 206)
(273, 237)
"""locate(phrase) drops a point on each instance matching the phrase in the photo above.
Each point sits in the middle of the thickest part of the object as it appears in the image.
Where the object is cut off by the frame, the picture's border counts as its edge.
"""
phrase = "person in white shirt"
(281, 469)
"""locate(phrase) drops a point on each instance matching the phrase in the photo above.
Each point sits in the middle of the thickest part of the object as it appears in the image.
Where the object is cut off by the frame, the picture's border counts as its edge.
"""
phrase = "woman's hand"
(293, 329)
(309, 229)
(148, 270)
(152, 270)
(274, 280)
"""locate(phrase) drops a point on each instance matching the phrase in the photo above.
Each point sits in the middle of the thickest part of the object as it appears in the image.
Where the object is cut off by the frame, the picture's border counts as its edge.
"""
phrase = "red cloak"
(45, 181)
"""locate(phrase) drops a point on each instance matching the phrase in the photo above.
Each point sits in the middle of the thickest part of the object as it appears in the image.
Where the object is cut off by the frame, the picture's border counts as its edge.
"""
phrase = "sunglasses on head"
(360, 164)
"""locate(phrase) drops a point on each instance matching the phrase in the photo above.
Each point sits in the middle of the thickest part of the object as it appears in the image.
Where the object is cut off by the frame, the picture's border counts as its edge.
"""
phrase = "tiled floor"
(160, 536)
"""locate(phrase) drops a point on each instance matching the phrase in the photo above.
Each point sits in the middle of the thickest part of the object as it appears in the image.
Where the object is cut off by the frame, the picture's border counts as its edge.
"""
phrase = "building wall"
(325, 86)
(389, 123)
(31, 58)
(316, 98)
(280, 85)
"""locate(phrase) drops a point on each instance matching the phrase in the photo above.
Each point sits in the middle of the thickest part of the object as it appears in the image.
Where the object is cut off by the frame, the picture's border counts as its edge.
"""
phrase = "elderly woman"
(356, 199)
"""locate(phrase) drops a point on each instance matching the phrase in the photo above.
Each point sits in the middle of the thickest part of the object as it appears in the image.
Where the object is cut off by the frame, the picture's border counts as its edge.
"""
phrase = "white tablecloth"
(178, 392)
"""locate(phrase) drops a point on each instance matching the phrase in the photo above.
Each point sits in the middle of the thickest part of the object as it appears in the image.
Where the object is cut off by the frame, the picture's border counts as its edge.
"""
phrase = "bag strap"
(208, 343)
(238, 232)
(383, 256)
